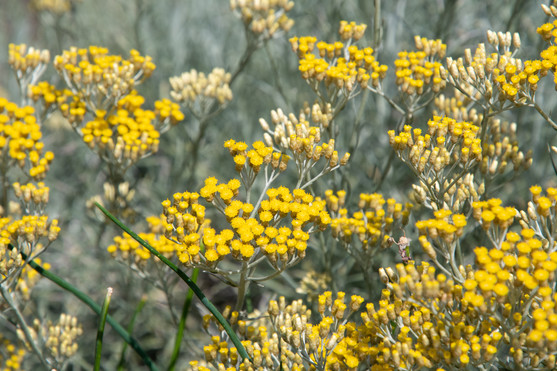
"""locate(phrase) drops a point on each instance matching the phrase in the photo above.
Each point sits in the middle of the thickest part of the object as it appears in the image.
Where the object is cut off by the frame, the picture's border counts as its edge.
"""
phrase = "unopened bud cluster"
(418, 72)
(199, 92)
(500, 150)
(288, 337)
(456, 107)
(27, 60)
(33, 198)
(296, 135)
(313, 283)
(264, 18)
(262, 342)
(61, 338)
(499, 76)
(369, 227)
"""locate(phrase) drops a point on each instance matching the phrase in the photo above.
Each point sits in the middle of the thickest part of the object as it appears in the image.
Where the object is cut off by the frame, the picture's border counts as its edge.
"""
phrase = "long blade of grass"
(100, 330)
(182, 324)
(121, 363)
(95, 307)
(197, 291)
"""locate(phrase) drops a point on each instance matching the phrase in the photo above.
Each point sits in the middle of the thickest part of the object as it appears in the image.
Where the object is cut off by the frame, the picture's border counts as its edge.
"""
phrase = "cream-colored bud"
(468, 56)
(516, 40)
(264, 124)
(268, 139)
(491, 37)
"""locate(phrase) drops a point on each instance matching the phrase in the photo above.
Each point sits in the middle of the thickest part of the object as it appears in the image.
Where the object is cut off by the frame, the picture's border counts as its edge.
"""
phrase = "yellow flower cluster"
(71, 106)
(493, 217)
(423, 319)
(418, 72)
(444, 230)
(124, 136)
(12, 358)
(20, 144)
(549, 55)
(252, 233)
(128, 250)
(199, 92)
(441, 158)
(340, 66)
(100, 79)
(371, 225)
(264, 18)
(25, 234)
(259, 155)
(513, 290)
(421, 322)
(294, 134)
(46, 93)
(168, 113)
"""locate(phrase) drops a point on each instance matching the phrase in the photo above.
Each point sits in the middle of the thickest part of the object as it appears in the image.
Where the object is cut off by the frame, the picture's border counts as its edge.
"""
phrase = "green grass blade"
(100, 330)
(95, 307)
(182, 324)
(197, 291)
(138, 309)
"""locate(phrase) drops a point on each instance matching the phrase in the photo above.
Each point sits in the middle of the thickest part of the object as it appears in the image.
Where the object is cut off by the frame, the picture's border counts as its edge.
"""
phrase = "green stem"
(242, 287)
(95, 307)
(100, 330)
(130, 329)
(23, 325)
(182, 324)
(197, 291)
